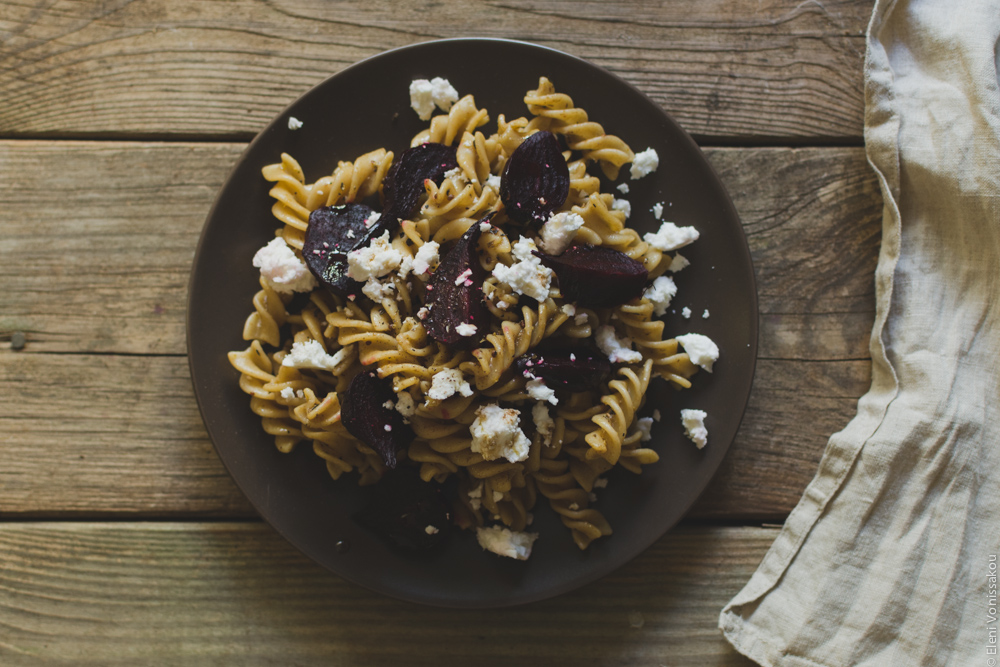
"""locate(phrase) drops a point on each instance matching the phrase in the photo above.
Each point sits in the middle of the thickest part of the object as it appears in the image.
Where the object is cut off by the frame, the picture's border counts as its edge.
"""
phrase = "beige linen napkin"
(890, 556)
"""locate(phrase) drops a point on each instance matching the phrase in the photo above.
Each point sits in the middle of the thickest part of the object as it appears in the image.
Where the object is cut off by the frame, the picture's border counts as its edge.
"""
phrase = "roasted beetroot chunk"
(407, 512)
(404, 183)
(455, 294)
(364, 412)
(570, 367)
(333, 232)
(597, 276)
(535, 180)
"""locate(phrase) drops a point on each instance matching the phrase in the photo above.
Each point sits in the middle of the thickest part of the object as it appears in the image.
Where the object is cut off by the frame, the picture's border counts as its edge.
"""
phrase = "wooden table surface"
(123, 540)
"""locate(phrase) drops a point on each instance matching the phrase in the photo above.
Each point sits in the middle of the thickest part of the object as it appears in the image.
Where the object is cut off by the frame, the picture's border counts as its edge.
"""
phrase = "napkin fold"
(890, 557)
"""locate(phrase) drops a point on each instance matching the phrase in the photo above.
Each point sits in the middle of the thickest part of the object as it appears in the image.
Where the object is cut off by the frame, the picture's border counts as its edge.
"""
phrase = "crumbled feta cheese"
(457, 176)
(558, 232)
(600, 482)
(644, 163)
(677, 263)
(426, 257)
(656, 415)
(660, 293)
(294, 123)
(425, 95)
(544, 423)
(657, 210)
(310, 354)
(671, 237)
(686, 313)
(496, 434)
(574, 506)
(388, 427)
(644, 425)
(618, 350)
(580, 319)
(494, 182)
(447, 383)
(700, 349)
(704, 315)
(405, 405)
(466, 329)
(622, 205)
(569, 309)
(527, 276)
(389, 405)
(287, 393)
(423, 312)
(506, 542)
(463, 276)
(374, 260)
(694, 426)
(283, 271)
(538, 391)
(431, 530)
(476, 492)
(376, 290)
(497, 496)
(623, 188)
(350, 233)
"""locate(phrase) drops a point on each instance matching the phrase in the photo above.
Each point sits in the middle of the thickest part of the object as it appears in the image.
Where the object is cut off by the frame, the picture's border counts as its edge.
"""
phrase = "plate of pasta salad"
(472, 323)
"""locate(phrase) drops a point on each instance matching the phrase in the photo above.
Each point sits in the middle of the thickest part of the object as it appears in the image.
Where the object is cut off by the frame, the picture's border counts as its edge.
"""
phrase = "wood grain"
(225, 593)
(111, 275)
(772, 71)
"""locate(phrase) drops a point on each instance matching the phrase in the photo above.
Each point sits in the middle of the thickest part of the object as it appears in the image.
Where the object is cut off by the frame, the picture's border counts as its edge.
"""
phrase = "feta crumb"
(423, 312)
(389, 405)
(506, 542)
(282, 269)
(656, 415)
(457, 175)
(294, 123)
(677, 263)
(484, 226)
(619, 350)
(660, 293)
(497, 496)
(405, 404)
(374, 260)
(704, 315)
(600, 482)
(544, 423)
(558, 232)
(476, 492)
(350, 233)
(644, 163)
(287, 393)
(426, 257)
(447, 383)
(623, 188)
(372, 219)
(644, 425)
(538, 391)
(686, 313)
(622, 205)
(463, 276)
(388, 427)
(494, 182)
(431, 530)
(425, 95)
(700, 349)
(466, 329)
(671, 237)
(569, 309)
(694, 426)
(377, 290)
(574, 506)
(310, 354)
(527, 276)
(496, 433)
(580, 319)
(657, 210)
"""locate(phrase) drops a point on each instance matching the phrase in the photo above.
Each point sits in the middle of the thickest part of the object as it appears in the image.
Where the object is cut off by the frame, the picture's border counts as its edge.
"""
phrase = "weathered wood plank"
(110, 435)
(775, 70)
(120, 222)
(202, 594)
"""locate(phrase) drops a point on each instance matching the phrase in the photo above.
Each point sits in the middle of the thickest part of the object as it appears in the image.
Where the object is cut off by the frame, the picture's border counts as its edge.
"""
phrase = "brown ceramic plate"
(366, 106)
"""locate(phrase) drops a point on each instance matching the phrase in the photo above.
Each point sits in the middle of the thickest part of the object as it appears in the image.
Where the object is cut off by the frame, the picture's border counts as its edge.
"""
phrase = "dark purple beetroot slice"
(333, 232)
(597, 276)
(455, 293)
(407, 512)
(405, 181)
(535, 180)
(365, 416)
(577, 368)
